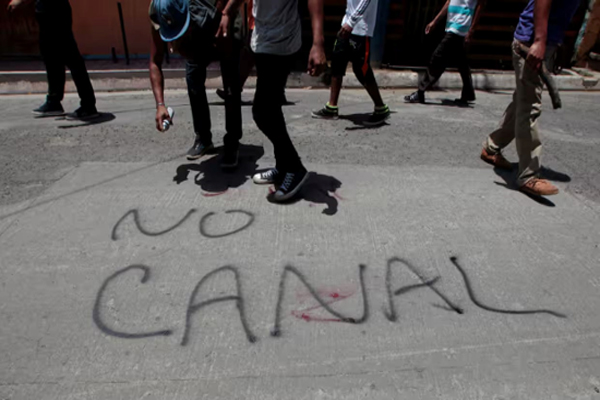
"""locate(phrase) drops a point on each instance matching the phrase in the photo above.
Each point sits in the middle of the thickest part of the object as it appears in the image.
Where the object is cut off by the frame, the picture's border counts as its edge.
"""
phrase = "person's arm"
(441, 16)
(476, 17)
(356, 16)
(537, 51)
(14, 4)
(157, 79)
(316, 58)
(228, 12)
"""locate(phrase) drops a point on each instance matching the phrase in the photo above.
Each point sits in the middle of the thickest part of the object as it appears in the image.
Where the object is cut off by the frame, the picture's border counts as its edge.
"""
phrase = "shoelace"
(270, 174)
(289, 177)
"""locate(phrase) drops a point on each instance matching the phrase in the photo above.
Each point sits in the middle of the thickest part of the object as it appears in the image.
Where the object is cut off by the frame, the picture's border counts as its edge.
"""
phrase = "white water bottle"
(166, 123)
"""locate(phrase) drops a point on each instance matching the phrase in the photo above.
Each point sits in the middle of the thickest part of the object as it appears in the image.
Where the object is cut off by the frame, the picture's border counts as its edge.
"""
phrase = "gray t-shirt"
(277, 27)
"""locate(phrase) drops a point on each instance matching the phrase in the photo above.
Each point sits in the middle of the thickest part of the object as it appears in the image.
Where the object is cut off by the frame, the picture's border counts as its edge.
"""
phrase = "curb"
(126, 80)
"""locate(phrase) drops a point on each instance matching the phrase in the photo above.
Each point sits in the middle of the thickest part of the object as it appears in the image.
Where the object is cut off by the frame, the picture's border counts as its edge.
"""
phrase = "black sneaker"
(199, 149)
(465, 100)
(461, 103)
(230, 157)
(222, 94)
(49, 109)
(379, 117)
(290, 185)
(326, 112)
(266, 177)
(416, 97)
(83, 114)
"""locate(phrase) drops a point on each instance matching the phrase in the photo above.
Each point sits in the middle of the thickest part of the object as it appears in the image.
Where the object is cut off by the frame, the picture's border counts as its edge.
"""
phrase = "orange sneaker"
(539, 187)
(497, 160)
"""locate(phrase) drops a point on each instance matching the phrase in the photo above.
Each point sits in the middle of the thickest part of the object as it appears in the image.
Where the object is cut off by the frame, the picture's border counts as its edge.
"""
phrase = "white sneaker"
(266, 177)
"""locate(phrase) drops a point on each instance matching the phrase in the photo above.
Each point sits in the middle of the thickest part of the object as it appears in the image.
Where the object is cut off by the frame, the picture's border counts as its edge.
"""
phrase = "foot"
(290, 185)
(230, 157)
(83, 114)
(465, 100)
(461, 103)
(49, 109)
(222, 94)
(327, 112)
(495, 159)
(416, 97)
(379, 117)
(266, 177)
(538, 187)
(199, 149)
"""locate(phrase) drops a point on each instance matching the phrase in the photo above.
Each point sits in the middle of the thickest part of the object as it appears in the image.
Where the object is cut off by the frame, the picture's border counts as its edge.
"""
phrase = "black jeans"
(272, 72)
(357, 50)
(197, 62)
(59, 49)
(450, 50)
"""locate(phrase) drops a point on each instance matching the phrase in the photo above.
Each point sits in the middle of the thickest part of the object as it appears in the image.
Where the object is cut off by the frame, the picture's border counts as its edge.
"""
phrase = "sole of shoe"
(332, 118)
(88, 118)
(259, 181)
(533, 193)
(288, 196)
(48, 114)
(462, 103)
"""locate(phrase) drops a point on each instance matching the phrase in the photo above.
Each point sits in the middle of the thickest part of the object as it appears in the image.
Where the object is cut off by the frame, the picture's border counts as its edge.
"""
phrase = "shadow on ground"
(359, 120)
(100, 119)
(510, 178)
(285, 102)
(213, 179)
(448, 103)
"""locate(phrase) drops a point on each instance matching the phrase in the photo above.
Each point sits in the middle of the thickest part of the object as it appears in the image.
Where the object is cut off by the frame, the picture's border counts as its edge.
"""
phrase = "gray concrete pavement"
(507, 299)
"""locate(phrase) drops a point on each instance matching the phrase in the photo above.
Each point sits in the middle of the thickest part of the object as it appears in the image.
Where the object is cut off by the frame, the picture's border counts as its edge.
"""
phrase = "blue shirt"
(561, 13)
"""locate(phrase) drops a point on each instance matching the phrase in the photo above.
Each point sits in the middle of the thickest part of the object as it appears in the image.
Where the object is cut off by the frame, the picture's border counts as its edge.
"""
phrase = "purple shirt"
(561, 13)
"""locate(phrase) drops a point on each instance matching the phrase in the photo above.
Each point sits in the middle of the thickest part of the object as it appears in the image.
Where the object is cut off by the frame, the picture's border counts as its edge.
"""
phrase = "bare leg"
(336, 87)
(373, 91)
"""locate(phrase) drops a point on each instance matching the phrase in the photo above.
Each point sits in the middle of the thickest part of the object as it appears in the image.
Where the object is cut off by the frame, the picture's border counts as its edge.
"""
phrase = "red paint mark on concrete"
(330, 296)
(343, 291)
(205, 194)
(271, 189)
(309, 318)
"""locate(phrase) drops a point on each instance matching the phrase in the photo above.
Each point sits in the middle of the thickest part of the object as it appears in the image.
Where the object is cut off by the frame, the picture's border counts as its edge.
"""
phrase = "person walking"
(247, 61)
(246, 56)
(541, 28)
(59, 49)
(277, 37)
(461, 16)
(353, 45)
(190, 28)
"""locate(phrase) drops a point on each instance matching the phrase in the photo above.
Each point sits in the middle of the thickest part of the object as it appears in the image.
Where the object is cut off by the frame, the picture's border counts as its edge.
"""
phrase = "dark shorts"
(355, 50)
